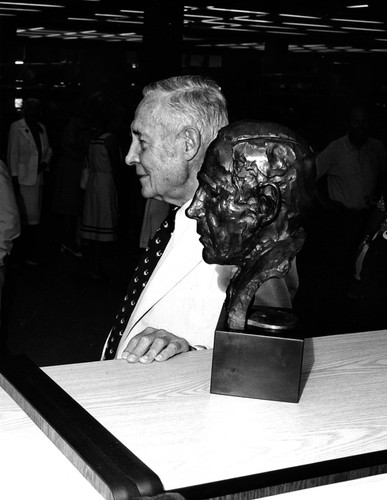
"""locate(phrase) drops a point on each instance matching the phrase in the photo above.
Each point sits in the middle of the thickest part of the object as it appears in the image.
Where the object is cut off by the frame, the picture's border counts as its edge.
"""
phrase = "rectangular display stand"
(257, 363)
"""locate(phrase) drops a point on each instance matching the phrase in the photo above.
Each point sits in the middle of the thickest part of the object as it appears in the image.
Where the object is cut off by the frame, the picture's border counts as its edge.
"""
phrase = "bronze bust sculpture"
(255, 184)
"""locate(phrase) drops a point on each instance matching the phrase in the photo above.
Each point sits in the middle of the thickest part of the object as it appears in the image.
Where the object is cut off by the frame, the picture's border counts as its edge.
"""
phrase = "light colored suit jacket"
(184, 295)
(23, 158)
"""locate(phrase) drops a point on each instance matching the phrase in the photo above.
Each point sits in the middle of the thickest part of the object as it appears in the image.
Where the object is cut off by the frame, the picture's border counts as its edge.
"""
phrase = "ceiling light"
(309, 25)
(299, 16)
(342, 32)
(249, 20)
(123, 21)
(29, 4)
(81, 19)
(233, 25)
(358, 6)
(238, 11)
(231, 29)
(216, 20)
(203, 17)
(20, 10)
(285, 33)
(356, 21)
(132, 11)
(362, 29)
(111, 15)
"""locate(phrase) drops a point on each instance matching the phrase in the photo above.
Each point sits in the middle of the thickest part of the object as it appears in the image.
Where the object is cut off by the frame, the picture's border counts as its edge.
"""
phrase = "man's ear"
(269, 202)
(192, 140)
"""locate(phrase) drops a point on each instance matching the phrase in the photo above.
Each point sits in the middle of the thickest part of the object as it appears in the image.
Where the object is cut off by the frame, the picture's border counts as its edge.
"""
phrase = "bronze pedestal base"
(260, 363)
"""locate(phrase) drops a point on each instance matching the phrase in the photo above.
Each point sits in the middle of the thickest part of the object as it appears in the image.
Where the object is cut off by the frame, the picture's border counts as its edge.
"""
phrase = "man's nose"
(132, 156)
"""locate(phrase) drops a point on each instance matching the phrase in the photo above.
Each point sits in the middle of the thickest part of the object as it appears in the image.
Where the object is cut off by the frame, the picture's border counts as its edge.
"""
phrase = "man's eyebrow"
(140, 135)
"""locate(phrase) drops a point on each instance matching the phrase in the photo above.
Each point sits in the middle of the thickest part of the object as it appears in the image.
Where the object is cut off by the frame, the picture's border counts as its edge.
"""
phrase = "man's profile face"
(157, 153)
(225, 206)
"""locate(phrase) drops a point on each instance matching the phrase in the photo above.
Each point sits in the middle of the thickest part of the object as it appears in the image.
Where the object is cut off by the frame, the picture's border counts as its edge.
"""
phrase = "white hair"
(193, 100)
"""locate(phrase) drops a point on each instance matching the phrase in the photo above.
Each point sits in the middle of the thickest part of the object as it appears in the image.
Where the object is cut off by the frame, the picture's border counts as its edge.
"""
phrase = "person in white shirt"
(29, 155)
(351, 171)
(354, 165)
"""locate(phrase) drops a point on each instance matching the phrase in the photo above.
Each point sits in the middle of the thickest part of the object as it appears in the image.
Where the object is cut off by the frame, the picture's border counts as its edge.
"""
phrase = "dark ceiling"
(78, 46)
(306, 26)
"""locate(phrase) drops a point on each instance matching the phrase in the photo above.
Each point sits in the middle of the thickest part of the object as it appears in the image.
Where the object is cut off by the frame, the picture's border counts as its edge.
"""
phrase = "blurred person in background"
(29, 155)
(9, 224)
(99, 226)
(350, 173)
(67, 200)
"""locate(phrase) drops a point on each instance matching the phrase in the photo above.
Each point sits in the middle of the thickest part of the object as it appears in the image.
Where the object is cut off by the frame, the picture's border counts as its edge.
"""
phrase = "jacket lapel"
(181, 256)
(25, 130)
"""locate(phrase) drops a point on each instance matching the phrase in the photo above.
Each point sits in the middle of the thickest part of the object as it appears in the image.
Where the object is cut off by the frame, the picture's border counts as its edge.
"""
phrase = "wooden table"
(31, 466)
(371, 487)
(204, 445)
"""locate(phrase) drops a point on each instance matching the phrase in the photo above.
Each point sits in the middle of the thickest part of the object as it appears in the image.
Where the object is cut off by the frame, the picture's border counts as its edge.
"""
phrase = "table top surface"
(31, 466)
(165, 414)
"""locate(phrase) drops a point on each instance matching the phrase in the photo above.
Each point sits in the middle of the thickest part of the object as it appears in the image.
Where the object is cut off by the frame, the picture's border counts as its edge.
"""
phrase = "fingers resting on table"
(153, 344)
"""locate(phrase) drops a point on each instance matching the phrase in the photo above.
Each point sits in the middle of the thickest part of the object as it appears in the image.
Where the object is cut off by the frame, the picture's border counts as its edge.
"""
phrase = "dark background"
(299, 75)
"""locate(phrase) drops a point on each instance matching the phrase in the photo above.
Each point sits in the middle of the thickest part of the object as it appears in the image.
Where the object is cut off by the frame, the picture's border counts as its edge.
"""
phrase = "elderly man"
(174, 307)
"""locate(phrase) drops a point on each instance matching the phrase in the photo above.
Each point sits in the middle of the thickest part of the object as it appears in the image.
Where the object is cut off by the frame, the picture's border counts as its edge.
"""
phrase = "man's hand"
(154, 345)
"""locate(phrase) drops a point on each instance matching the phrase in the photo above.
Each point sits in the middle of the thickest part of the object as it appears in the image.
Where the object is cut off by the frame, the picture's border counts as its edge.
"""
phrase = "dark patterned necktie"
(138, 282)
